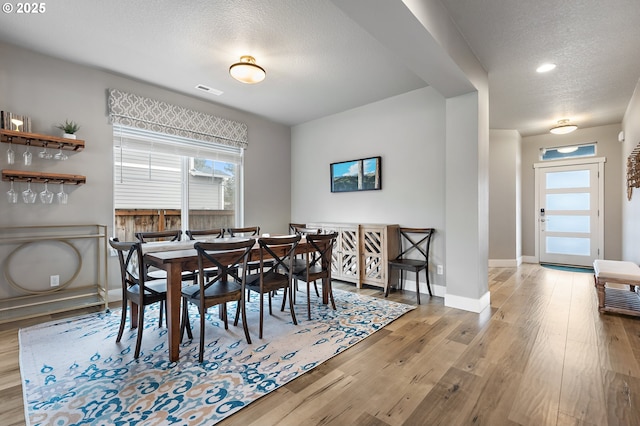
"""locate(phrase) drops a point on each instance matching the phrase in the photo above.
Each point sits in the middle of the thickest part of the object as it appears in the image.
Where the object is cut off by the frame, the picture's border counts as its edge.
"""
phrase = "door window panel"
(571, 179)
(571, 201)
(569, 245)
(568, 223)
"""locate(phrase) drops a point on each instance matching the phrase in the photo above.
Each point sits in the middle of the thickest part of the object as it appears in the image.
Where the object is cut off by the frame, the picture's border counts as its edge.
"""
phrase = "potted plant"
(69, 128)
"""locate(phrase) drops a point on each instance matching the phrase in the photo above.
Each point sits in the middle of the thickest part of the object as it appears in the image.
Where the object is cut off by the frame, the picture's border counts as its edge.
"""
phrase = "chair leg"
(185, 324)
(291, 307)
(162, 309)
(333, 302)
(140, 329)
(426, 271)
(201, 352)
(123, 319)
(418, 286)
(261, 314)
(241, 306)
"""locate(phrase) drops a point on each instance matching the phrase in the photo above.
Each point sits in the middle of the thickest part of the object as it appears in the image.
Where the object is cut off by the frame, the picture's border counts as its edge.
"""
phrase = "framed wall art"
(356, 175)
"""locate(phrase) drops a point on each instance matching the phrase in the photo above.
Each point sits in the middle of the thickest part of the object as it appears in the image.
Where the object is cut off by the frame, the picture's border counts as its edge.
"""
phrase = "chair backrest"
(211, 233)
(144, 237)
(247, 231)
(323, 250)
(278, 252)
(229, 258)
(293, 226)
(415, 242)
(303, 230)
(130, 259)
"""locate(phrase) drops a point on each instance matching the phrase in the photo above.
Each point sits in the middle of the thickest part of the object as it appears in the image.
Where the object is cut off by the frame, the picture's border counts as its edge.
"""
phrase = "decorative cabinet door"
(345, 265)
(377, 245)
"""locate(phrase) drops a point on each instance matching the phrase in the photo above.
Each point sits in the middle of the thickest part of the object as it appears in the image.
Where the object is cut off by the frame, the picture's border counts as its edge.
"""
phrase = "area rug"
(74, 373)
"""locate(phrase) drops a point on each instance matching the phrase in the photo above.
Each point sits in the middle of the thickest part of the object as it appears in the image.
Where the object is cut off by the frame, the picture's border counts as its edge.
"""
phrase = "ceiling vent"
(209, 89)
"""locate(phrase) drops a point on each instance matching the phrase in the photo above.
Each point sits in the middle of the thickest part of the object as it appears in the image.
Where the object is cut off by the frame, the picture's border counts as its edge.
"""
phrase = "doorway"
(569, 212)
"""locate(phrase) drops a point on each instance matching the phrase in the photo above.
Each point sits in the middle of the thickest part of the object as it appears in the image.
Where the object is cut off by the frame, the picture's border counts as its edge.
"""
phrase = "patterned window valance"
(136, 111)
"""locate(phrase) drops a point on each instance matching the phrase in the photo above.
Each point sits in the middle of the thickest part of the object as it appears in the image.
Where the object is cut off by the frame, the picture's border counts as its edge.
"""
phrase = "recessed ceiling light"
(545, 67)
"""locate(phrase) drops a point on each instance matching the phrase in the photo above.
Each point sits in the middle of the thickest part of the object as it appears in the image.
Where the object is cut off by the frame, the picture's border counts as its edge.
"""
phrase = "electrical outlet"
(54, 280)
(440, 269)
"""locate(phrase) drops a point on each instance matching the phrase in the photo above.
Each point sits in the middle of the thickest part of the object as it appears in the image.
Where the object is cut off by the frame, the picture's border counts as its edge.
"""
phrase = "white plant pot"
(69, 136)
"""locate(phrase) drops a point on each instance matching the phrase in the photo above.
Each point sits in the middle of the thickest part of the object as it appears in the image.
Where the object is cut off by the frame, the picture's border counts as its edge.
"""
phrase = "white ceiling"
(320, 62)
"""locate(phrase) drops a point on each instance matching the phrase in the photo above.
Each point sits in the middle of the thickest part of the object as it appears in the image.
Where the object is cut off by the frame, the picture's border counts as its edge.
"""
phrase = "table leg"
(174, 287)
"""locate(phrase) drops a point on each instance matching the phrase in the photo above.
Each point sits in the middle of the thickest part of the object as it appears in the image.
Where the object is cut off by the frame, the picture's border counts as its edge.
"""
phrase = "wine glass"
(12, 195)
(63, 197)
(11, 155)
(28, 196)
(60, 155)
(46, 196)
(44, 154)
(27, 156)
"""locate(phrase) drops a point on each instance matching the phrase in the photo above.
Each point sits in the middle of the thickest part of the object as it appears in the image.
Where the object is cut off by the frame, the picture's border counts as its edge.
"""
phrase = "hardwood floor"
(542, 355)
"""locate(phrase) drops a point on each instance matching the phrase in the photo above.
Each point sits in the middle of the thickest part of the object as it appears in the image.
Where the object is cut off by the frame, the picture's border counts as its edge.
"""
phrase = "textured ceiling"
(320, 62)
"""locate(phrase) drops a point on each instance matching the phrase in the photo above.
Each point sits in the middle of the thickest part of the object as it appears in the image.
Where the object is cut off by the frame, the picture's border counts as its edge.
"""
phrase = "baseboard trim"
(505, 263)
(529, 259)
(468, 304)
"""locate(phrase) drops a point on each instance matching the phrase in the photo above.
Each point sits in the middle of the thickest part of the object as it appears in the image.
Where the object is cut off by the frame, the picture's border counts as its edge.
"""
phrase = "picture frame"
(364, 174)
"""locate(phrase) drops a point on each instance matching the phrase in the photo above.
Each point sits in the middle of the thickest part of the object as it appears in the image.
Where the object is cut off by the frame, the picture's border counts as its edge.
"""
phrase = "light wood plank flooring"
(542, 355)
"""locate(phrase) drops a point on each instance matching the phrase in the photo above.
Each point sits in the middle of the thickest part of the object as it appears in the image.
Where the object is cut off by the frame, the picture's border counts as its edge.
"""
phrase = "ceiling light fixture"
(247, 71)
(545, 67)
(563, 127)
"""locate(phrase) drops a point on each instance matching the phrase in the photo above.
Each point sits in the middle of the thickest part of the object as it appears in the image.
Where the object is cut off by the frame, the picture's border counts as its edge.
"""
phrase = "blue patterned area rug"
(74, 372)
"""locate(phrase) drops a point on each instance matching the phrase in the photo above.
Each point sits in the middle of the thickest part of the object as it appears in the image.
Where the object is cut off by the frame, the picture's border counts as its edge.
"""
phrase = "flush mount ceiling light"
(563, 128)
(247, 71)
(545, 67)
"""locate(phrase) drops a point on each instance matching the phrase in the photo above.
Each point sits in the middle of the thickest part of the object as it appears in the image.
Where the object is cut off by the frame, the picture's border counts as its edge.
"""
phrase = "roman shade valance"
(127, 109)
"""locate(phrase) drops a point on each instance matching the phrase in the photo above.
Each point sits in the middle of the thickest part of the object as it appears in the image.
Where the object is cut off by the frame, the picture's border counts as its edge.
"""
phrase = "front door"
(569, 219)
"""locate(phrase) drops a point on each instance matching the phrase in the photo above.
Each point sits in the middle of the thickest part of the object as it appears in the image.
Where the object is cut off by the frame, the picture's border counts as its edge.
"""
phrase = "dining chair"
(229, 258)
(135, 288)
(413, 257)
(206, 233)
(278, 252)
(317, 265)
(293, 226)
(299, 261)
(248, 231)
(147, 236)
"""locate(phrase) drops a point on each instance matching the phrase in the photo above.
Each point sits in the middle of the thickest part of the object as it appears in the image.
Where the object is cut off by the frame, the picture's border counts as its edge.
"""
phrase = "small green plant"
(69, 127)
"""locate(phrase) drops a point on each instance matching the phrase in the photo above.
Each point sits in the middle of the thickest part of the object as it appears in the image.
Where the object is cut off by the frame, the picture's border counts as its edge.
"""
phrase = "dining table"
(176, 257)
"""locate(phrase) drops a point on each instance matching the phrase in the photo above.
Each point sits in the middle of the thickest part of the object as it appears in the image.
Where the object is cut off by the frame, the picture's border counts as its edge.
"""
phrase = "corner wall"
(630, 208)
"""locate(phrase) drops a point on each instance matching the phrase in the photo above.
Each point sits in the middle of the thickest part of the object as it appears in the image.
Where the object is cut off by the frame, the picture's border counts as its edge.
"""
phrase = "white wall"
(408, 132)
(608, 147)
(505, 245)
(630, 208)
(51, 90)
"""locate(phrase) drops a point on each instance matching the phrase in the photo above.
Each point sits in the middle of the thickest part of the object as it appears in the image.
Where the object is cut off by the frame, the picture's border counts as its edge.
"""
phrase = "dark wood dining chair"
(135, 288)
(317, 265)
(413, 257)
(147, 236)
(205, 233)
(278, 253)
(229, 258)
(299, 261)
(247, 231)
(293, 226)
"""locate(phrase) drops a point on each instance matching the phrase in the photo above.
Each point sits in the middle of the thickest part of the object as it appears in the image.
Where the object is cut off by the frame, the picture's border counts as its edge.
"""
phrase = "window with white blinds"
(156, 172)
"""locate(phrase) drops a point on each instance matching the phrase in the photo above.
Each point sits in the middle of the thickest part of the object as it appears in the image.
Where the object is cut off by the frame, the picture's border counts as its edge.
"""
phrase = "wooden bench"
(614, 299)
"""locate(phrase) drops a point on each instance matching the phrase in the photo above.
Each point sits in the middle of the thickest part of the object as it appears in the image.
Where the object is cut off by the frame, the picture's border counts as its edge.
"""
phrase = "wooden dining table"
(179, 256)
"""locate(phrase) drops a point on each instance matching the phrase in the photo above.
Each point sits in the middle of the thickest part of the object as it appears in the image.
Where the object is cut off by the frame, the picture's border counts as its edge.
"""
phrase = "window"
(164, 182)
(570, 151)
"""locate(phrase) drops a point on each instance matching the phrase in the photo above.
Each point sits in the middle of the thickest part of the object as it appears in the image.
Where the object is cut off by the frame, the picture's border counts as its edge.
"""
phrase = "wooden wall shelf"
(35, 139)
(39, 177)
